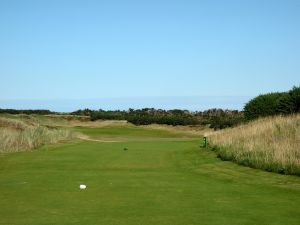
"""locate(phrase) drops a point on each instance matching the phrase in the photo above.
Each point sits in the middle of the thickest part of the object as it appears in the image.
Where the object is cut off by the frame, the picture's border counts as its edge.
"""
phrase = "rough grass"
(18, 134)
(271, 144)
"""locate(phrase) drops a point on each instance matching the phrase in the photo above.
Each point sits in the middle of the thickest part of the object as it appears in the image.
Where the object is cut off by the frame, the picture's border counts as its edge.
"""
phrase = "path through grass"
(170, 182)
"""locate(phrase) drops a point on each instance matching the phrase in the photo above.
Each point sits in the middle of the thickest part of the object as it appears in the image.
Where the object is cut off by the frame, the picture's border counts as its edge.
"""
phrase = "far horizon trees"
(215, 118)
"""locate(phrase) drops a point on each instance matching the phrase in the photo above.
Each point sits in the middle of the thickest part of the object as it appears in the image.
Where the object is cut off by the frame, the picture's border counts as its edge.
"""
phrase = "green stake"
(205, 142)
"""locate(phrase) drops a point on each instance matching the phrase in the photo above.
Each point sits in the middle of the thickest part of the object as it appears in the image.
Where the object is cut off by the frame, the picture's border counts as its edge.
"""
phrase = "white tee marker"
(82, 186)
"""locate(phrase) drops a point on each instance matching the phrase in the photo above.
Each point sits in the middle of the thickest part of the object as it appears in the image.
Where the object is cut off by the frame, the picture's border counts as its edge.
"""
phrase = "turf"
(130, 132)
(170, 182)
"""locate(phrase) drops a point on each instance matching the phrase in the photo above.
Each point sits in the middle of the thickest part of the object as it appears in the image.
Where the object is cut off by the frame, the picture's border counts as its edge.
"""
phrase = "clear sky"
(69, 49)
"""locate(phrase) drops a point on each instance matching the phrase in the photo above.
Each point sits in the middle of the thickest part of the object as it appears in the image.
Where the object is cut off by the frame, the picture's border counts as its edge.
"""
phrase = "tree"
(289, 102)
(262, 105)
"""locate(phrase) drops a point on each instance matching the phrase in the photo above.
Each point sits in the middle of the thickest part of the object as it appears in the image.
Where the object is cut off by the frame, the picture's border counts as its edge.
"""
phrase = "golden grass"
(272, 144)
(79, 122)
(21, 135)
(198, 130)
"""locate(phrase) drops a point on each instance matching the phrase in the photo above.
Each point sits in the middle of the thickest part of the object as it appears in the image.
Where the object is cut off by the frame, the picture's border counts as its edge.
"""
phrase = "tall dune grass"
(17, 135)
(271, 144)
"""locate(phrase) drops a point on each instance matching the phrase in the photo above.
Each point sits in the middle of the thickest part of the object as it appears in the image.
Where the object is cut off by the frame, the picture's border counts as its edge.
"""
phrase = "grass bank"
(21, 134)
(271, 144)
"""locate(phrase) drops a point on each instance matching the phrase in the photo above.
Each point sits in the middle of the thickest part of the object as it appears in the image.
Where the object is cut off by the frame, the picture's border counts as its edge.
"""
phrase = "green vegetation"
(20, 134)
(273, 104)
(215, 118)
(220, 119)
(26, 111)
(290, 102)
(262, 106)
(271, 144)
(158, 181)
(130, 132)
(107, 115)
(148, 116)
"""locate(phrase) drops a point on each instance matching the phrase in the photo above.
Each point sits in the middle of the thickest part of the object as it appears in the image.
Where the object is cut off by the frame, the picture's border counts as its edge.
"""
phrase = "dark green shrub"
(107, 115)
(80, 112)
(224, 121)
(217, 118)
(27, 111)
(285, 104)
(290, 102)
(262, 105)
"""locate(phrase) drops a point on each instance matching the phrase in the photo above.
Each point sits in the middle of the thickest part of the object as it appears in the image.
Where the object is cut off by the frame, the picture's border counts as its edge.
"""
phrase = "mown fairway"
(161, 179)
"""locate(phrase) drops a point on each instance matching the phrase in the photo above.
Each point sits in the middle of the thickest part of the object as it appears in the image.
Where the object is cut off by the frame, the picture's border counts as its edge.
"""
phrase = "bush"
(107, 115)
(27, 111)
(262, 105)
(221, 122)
(217, 118)
(80, 112)
(290, 102)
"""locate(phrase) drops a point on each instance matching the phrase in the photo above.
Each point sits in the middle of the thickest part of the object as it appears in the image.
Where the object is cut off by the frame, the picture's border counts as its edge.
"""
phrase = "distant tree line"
(270, 104)
(82, 112)
(159, 116)
(263, 105)
(220, 119)
(27, 111)
(215, 118)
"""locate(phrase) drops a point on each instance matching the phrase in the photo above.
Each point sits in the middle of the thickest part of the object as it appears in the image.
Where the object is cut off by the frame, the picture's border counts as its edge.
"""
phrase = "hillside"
(271, 144)
(21, 133)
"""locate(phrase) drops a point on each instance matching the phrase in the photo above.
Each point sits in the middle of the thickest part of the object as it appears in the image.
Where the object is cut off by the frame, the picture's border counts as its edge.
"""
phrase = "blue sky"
(58, 50)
